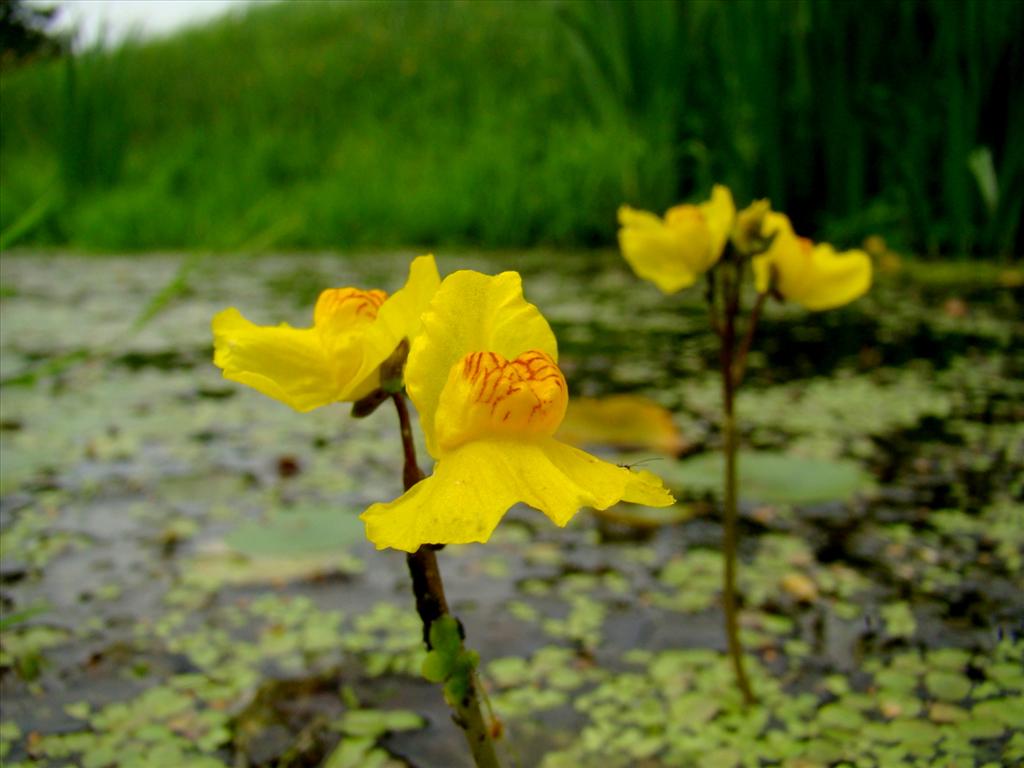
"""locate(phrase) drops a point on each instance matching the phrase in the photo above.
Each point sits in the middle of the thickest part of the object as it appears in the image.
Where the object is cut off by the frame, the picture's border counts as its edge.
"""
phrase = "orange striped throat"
(340, 310)
(489, 396)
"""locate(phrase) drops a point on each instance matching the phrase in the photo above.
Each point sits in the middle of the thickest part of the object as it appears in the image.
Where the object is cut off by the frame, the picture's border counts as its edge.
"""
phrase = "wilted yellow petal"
(623, 421)
(288, 364)
(470, 312)
(473, 486)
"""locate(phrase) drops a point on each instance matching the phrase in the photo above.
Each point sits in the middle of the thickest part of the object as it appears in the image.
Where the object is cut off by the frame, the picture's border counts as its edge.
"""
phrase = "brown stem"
(709, 295)
(730, 527)
(411, 472)
(431, 604)
(740, 363)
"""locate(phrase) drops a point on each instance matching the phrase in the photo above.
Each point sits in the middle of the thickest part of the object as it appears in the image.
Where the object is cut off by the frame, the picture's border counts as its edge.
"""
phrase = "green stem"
(730, 526)
(431, 604)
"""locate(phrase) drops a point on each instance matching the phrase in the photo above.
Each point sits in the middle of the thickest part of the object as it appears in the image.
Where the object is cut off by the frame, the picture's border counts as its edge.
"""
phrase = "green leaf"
(773, 478)
(446, 646)
(837, 715)
(980, 728)
(979, 161)
(448, 662)
(436, 667)
(351, 753)
(445, 637)
(948, 686)
(377, 722)
(899, 620)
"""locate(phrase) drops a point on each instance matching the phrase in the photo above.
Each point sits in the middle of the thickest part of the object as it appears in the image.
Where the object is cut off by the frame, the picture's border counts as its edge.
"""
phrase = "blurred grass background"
(340, 125)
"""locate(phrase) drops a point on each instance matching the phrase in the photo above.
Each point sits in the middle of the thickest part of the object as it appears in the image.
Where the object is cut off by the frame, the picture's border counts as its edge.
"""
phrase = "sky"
(115, 20)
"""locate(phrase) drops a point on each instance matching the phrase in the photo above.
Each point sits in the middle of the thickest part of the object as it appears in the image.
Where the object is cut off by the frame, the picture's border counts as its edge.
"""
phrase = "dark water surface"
(183, 580)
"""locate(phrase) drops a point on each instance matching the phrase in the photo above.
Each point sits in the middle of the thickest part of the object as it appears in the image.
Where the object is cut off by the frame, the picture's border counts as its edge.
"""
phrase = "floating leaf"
(293, 544)
(899, 620)
(840, 716)
(377, 722)
(773, 478)
(941, 712)
(1009, 711)
(296, 532)
(948, 686)
(985, 727)
(357, 753)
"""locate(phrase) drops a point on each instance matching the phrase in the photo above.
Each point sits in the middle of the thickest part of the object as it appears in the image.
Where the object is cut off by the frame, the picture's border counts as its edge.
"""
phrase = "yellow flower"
(672, 253)
(814, 276)
(484, 377)
(339, 358)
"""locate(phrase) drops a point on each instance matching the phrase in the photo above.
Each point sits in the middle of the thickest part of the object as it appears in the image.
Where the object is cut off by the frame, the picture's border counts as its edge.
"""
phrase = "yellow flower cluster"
(483, 374)
(673, 252)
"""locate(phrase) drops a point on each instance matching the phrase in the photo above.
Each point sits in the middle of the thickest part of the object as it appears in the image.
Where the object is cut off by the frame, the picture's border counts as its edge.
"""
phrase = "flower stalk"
(715, 240)
(431, 605)
(730, 364)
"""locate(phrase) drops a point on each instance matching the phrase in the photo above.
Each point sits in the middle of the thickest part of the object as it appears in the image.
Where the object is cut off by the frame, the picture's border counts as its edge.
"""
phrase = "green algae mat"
(184, 580)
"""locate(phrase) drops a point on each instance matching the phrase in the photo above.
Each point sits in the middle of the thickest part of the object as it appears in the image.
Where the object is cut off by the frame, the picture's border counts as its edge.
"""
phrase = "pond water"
(184, 581)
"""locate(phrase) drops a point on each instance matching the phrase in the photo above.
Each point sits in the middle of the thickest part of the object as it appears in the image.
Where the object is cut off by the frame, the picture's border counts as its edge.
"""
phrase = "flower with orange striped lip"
(673, 252)
(810, 274)
(339, 357)
(484, 377)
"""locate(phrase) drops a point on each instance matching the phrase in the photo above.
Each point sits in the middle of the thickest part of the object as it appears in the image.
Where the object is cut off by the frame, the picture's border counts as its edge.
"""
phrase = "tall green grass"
(852, 118)
(337, 125)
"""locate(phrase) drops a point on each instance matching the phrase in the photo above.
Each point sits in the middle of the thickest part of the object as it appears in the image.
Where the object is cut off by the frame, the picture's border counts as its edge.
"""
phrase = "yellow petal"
(645, 487)
(837, 278)
(470, 312)
(400, 317)
(402, 314)
(814, 276)
(473, 486)
(285, 363)
(656, 251)
(719, 213)
(784, 253)
(673, 253)
(762, 273)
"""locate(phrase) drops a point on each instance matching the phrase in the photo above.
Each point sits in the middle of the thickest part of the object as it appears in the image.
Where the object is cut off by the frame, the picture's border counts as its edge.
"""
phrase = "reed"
(500, 124)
